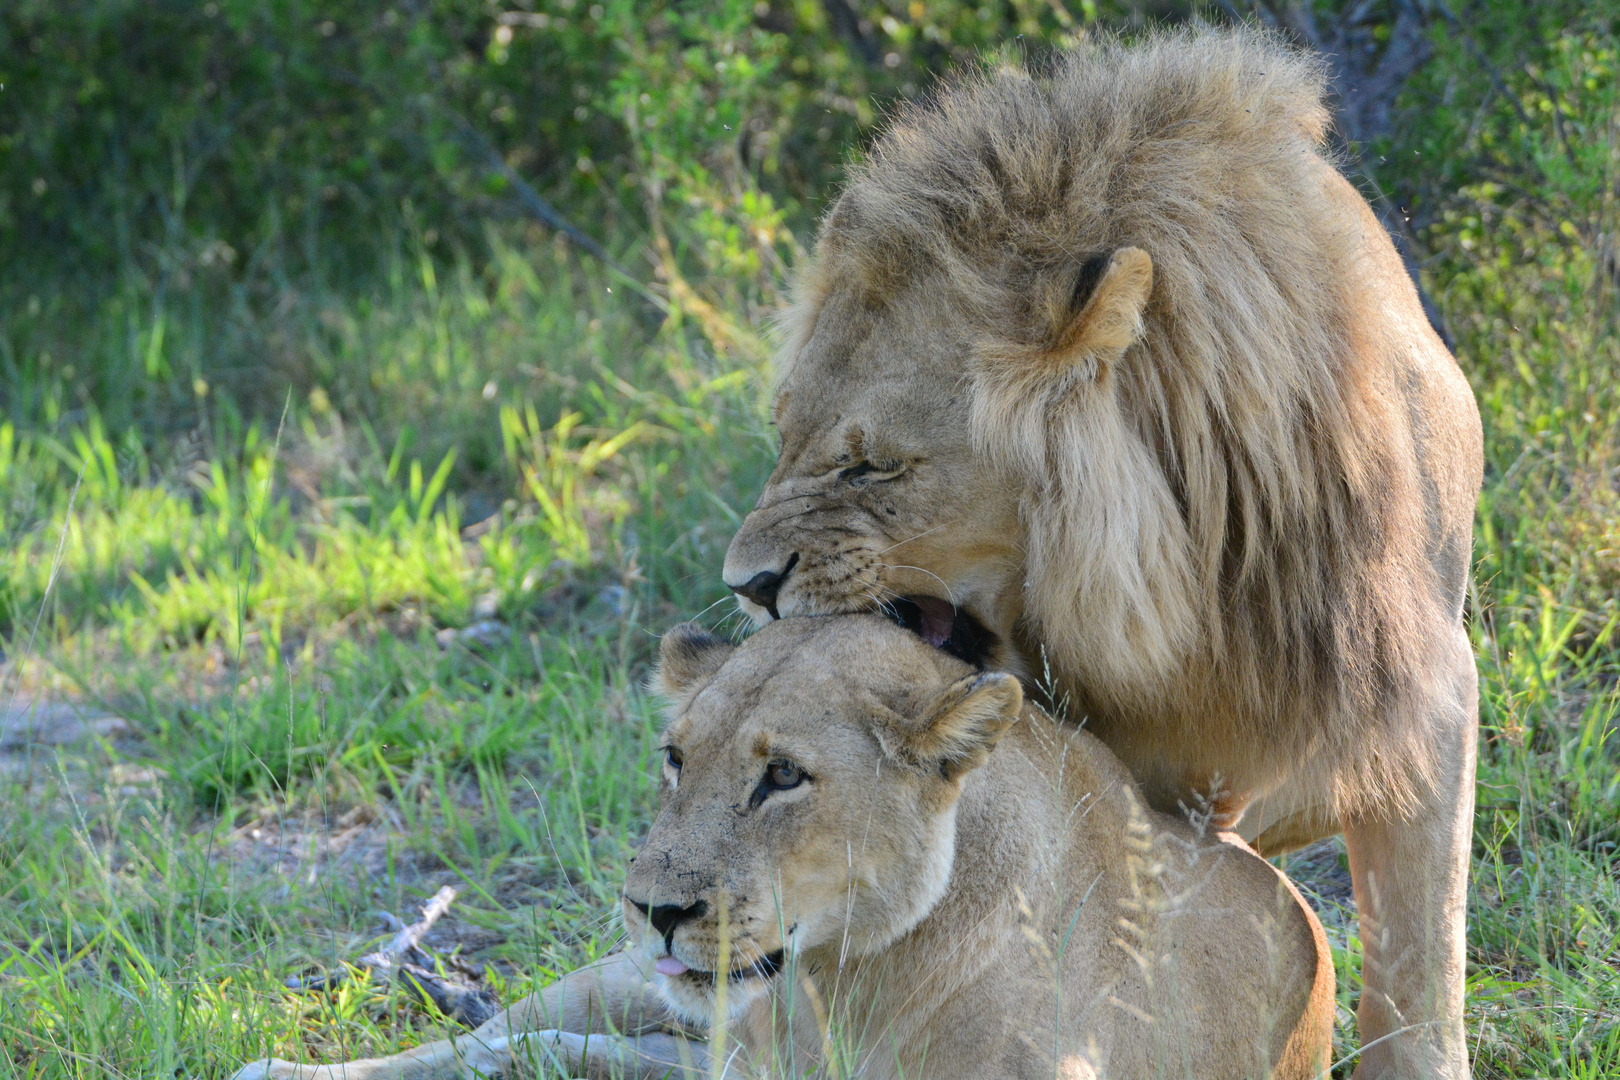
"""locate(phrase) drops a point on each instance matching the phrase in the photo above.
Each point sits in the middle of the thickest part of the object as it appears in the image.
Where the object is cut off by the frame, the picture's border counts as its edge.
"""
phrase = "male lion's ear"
(1109, 296)
(964, 724)
(688, 656)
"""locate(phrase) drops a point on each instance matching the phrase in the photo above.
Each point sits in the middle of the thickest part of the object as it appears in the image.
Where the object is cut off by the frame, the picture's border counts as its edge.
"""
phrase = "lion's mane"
(1230, 503)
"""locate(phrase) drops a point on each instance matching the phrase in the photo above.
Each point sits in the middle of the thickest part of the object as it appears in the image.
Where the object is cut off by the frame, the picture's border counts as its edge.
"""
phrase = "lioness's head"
(808, 797)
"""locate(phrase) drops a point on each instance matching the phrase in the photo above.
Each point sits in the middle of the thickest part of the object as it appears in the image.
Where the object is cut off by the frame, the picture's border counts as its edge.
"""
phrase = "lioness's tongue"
(938, 617)
(668, 965)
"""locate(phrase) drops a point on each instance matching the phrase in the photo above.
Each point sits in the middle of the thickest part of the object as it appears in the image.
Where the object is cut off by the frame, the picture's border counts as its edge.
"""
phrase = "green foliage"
(199, 193)
(1523, 219)
(506, 772)
(1511, 179)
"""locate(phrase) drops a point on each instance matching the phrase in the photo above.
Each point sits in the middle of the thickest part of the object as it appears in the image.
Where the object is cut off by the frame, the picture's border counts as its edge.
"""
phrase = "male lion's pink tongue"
(938, 617)
(668, 965)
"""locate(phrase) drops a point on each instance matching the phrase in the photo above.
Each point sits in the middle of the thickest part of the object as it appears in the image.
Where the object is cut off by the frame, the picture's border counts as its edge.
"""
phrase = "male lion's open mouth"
(763, 968)
(944, 626)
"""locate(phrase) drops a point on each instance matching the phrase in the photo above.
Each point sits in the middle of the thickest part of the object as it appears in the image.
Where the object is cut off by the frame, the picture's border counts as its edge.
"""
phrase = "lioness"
(1107, 372)
(903, 865)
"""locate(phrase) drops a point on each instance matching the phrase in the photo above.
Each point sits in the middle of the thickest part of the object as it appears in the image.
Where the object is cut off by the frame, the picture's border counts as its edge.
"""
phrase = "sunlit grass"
(308, 738)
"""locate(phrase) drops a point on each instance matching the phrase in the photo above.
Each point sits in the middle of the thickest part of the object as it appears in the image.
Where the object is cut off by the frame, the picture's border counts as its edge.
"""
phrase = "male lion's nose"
(763, 586)
(666, 917)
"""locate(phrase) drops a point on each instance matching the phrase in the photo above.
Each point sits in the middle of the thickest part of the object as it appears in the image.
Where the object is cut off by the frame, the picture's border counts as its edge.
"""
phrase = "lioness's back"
(1183, 952)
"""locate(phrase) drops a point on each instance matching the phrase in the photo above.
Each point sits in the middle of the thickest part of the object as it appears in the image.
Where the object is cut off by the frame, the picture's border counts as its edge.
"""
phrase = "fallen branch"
(406, 961)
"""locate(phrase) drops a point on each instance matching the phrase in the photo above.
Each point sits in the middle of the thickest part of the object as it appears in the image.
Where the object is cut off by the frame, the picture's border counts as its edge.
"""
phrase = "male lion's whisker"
(950, 593)
(883, 606)
(919, 536)
(711, 607)
(739, 621)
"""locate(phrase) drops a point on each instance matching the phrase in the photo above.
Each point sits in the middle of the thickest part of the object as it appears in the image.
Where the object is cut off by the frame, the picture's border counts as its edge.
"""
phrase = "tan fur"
(1224, 502)
(962, 888)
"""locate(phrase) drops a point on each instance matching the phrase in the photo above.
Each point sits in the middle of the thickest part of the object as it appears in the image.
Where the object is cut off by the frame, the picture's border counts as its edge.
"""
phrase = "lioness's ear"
(964, 724)
(1109, 295)
(688, 657)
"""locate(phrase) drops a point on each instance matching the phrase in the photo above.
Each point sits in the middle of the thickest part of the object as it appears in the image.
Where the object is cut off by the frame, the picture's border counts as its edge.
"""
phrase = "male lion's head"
(1062, 368)
(887, 492)
(808, 798)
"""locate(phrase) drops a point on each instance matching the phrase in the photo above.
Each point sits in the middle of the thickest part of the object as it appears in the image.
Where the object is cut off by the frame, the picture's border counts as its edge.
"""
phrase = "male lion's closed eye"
(866, 472)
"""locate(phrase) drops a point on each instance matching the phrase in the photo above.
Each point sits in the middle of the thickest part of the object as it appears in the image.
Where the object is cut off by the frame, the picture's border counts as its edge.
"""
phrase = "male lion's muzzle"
(955, 630)
(762, 588)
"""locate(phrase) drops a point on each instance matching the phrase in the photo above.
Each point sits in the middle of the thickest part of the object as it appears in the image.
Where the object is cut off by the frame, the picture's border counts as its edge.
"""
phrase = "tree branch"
(848, 25)
(1367, 82)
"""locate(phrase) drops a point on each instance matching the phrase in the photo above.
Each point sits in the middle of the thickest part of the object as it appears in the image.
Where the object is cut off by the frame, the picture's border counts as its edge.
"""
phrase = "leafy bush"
(221, 183)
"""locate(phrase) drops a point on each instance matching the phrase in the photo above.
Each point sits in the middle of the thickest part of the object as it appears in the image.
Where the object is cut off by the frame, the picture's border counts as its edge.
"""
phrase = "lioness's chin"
(692, 995)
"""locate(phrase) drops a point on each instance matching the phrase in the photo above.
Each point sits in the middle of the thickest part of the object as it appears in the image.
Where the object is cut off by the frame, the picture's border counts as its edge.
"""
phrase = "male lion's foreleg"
(609, 1007)
(1411, 881)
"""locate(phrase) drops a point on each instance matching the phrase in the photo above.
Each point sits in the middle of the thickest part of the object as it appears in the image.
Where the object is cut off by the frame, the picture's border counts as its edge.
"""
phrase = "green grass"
(149, 927)
(274, 619)
(264, 574)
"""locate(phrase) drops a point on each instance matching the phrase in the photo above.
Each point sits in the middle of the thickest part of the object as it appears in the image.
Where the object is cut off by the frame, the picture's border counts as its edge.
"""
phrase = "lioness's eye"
(783, 775)
(780, 775)
(672, 757)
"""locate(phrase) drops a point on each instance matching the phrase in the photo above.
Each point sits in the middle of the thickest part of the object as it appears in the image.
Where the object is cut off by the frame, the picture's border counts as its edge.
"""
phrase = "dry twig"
(419, 970)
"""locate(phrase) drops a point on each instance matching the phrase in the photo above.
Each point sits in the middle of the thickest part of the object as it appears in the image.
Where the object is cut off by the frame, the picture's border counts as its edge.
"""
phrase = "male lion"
(1111, 376)
(901, 864)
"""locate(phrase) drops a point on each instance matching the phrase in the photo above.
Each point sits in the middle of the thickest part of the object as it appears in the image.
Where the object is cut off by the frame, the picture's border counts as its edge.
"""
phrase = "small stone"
(486, 633)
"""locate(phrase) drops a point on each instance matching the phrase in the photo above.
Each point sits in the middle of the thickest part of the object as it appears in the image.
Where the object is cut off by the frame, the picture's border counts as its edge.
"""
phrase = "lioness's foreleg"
(654, 1056)
(1411, 881)
(614, 996)
(605, 1017)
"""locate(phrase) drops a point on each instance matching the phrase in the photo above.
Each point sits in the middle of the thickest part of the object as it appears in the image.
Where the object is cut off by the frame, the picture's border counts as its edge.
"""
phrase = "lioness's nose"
(666, 917)
(763, 586)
